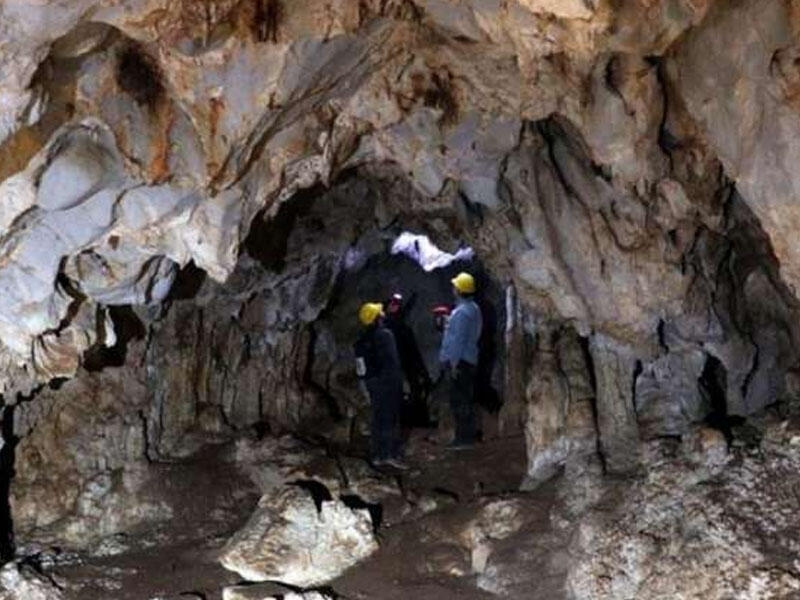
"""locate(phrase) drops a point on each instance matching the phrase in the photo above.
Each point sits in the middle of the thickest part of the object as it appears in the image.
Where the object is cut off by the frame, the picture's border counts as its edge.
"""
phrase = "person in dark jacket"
(459, 359)
(378, 365)
(414, 369)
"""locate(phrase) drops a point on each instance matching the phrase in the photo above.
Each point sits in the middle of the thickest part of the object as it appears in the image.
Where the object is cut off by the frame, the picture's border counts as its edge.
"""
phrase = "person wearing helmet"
(378, 365)
(411, 361)
(459, 358)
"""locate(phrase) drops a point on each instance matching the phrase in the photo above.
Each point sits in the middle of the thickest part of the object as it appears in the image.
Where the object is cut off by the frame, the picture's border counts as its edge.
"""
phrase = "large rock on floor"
(258, 592)
(20, 582)
(298, 540)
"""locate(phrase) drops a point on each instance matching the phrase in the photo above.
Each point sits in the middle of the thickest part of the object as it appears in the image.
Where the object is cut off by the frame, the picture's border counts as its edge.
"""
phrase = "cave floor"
(486, 474)
(420, 554)
(176, 559)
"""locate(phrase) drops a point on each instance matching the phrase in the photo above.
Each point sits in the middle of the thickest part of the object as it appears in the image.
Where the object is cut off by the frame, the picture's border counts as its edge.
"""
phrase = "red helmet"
(441, 310)
(441, 314)
(395, 303)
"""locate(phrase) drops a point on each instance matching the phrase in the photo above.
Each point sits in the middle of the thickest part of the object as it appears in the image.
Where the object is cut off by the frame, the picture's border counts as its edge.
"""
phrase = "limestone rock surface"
(155, 146)
(735, 521)
(82, 472)
(291, 540)
(20, 582)
(254, 593)
(195, 196)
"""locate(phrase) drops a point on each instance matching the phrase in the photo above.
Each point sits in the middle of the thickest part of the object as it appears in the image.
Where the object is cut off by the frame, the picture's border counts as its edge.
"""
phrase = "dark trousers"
(386, 397)
(462, 393)
(415, 411)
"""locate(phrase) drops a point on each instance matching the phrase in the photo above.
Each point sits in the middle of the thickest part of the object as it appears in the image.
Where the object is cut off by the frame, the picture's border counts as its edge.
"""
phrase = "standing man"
(459, 359)
(414, 369)
(378, 365)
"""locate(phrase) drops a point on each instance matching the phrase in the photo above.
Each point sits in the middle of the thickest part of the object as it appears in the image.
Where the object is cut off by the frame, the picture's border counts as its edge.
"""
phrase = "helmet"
(464, 283)
(395, 303)
(441, 313)
(441, 310)
(369, 312)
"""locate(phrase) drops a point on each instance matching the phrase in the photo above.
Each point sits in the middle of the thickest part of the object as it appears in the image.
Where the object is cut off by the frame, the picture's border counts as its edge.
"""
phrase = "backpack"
(367, 365)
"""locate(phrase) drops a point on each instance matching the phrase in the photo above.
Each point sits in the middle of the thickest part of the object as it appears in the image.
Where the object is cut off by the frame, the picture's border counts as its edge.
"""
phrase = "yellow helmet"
(464, 283)
(369, 312)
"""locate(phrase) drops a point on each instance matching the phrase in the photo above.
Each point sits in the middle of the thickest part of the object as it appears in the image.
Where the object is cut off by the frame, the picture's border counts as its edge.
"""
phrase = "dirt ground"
(418, 557)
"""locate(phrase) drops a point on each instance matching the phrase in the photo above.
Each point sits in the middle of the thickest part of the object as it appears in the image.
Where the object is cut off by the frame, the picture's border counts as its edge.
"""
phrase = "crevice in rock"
(188, 281)
(613, 80)
(128, 328)
(662, 340)
(148, 451)
(447, 494)
(57, 382)
(751, 373)
(406, 10)
(637, 370)
(35, 563)
(139, 75)
(268, 238)
(334, 411)
(66, 286)
(375, 509)
(441, 94)
(266, 21)
(473, 211)
(549, 131)
(712, 385)
(318, 491)
(592, 373)
(7, 459)
(589, 361)
(666, 140)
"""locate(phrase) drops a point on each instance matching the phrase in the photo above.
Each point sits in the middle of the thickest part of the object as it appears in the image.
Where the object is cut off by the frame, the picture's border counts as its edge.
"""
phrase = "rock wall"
(155, 107)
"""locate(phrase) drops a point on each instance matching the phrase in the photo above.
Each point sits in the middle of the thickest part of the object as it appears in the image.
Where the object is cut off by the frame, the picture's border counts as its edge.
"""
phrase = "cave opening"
(411, 266)
(324, 250)
(268, 236)
(127, 327)
(261, 366)
(270, 350)
(712, 385)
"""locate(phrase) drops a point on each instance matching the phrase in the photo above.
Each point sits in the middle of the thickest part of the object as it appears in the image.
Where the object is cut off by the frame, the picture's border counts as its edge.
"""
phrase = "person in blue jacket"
(459, 359)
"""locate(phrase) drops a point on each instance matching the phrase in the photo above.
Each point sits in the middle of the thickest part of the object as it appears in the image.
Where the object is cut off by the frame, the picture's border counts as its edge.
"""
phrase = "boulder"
(268, 592)
(292, 539)
(21, 582)
(496, 521)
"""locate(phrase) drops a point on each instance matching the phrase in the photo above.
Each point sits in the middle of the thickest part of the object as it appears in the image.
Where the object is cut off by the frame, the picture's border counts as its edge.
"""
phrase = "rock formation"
(195, 196)
(289, 539)
(20, 581)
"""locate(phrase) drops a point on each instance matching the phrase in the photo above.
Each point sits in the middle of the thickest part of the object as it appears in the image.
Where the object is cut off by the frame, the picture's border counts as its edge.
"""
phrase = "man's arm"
(455, 336)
